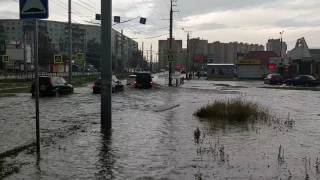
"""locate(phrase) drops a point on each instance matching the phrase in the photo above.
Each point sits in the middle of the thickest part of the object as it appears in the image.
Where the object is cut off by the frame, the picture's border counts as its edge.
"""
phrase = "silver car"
(131, 79)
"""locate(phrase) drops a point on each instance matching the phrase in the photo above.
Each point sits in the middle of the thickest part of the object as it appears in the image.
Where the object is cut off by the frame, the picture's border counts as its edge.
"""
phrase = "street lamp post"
(281, 33)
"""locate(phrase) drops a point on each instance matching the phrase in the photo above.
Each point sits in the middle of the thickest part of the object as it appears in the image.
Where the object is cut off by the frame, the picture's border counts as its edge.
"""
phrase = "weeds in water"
(197, 135)
(234, 110)
(317, 165)
(281, 155)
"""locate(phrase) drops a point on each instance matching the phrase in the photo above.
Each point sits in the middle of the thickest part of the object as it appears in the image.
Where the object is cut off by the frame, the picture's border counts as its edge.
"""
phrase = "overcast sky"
(250, 21)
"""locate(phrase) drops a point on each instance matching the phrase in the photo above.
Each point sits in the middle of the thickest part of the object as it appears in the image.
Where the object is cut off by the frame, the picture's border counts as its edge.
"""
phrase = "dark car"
(143, 80)
(49, 86)
(273, 79)
(302, 80)
(117, 86)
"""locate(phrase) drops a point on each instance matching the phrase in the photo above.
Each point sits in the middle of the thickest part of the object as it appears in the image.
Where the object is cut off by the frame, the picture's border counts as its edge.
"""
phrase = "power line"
(134, 5)
(152, 9)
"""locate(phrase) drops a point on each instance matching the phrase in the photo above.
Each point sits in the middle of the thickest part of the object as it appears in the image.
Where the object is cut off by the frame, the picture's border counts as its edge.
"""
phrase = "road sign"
(5, 58)
(116, 19)
(79, 57)
(58, 58)
(34, 9)
(143, 20)
(171, 57)
(98, 16)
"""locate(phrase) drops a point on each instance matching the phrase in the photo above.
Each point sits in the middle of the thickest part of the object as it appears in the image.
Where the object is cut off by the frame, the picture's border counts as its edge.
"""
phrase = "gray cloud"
(287, 23)
(9, 15)
(209, 26)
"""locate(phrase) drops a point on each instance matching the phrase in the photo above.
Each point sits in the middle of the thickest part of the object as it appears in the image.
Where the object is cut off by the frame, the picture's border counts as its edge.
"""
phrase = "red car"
(273, 79)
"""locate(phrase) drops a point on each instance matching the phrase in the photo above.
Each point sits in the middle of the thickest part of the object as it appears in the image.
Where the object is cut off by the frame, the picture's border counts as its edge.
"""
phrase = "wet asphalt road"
(152, 135)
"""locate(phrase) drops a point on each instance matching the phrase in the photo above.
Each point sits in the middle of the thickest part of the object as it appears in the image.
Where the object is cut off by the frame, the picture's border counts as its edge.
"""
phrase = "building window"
(12, 23)
(13, 38)
(8, 28)
(13, 28)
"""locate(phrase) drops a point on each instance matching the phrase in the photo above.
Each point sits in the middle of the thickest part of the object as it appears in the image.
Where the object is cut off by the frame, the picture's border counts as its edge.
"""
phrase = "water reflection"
(106, 156)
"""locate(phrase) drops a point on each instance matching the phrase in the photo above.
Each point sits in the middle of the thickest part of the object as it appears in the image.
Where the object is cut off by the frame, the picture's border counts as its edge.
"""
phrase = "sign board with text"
(248, 61)
(275, 60)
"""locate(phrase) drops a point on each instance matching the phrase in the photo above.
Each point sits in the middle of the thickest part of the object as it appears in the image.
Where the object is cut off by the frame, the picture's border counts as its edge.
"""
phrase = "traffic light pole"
(106, 63)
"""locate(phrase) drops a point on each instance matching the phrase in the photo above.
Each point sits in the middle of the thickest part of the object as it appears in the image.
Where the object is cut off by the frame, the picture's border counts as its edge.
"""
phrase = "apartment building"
(275, 46)
(163, 47)
(227, 52)
(58, 32)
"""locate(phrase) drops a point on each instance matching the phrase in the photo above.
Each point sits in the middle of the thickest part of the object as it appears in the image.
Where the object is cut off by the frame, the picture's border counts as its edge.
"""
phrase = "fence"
(31, 75)
(175, 81)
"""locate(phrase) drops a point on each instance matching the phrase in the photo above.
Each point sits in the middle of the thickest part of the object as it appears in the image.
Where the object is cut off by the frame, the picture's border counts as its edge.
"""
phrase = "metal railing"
(31, 75)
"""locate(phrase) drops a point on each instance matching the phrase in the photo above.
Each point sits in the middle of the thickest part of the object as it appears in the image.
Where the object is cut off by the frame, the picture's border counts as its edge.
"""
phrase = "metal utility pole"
(36, 83)
(151, 59)
(147, 55)
(106, 63)
(142, 62)
(170, 44)
(194, 55)
(25, 51)
(121, 49)
(188, 56)
(281, 33)
(70, 44)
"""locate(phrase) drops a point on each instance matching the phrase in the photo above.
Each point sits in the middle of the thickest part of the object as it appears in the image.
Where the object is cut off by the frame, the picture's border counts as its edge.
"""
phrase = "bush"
(234, 110)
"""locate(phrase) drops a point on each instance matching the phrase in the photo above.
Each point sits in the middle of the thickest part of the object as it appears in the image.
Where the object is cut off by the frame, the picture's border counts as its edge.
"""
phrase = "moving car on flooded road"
(273, 79)
(144, 80)
(302, 80)
(131, 79)
(117, 86)
(50, 86)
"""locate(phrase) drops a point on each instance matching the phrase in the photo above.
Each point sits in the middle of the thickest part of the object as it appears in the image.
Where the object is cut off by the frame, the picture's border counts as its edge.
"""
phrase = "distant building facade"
(275, 46)
(227, 52)
(163, 47)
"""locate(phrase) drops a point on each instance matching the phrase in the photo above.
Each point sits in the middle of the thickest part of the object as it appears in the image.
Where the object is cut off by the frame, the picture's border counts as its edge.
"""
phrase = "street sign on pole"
(171, 57)
(34, 9)
(57, 58)
(79, 57)
(5, 58)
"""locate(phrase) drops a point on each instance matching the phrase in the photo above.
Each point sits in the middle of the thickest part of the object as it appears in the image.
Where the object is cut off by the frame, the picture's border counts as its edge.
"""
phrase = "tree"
(93, 55)
(3, 38)
(46, 50)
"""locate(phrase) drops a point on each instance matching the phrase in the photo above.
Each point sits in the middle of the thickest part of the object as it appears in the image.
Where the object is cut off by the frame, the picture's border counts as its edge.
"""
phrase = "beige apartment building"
(163, 47)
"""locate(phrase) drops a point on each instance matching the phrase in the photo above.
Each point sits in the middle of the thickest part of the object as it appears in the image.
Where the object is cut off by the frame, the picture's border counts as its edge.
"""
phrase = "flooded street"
(153, 135)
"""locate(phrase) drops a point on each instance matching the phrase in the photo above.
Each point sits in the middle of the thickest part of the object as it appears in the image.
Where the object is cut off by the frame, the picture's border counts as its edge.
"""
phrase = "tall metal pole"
(187, 60)
(281, 45)
(121, 47)
(70, 44)
(106, 63)
(151, 59)
(147, 55)
(170, 45)
(194, 55)
(36, 83)
(142, 62)
(25, 51)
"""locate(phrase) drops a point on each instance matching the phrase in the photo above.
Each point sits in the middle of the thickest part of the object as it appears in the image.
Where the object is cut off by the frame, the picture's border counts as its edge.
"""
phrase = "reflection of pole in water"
(106, 156)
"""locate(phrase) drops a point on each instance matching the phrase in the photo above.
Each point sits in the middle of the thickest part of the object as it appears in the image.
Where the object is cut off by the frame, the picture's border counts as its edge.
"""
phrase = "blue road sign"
(116, 19)
(34, 9)
(57, 58)
(79, 56)
(143, 20)
(171, 57)
(5, 58)
(98, 16)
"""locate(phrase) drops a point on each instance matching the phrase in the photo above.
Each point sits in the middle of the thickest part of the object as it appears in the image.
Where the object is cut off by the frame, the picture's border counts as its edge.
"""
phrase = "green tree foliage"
(45, 49)
(93, 55)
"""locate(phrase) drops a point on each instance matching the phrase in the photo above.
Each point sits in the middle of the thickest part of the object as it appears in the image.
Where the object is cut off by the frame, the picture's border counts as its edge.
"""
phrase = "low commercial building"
(257, 64)
(220, 70)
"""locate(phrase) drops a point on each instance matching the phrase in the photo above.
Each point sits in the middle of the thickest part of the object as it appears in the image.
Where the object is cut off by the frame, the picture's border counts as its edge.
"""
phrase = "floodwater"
(153, 135)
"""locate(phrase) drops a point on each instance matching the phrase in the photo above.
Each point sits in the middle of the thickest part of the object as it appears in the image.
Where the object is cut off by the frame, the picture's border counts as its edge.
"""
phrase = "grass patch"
(16, 90)
(293, 88)
(233, 110)
(2, 95)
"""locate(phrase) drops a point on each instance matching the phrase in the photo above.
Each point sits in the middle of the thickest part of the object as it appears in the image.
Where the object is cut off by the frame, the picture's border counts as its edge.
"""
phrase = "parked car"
(51, 86)
(143, 80)
(117, 86)
(162, 70)
(273, 79)
(131, 79)
(302, 80)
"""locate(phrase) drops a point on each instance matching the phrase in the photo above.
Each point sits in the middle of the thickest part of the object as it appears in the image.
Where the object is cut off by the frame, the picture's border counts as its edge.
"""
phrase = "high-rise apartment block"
(275, 46)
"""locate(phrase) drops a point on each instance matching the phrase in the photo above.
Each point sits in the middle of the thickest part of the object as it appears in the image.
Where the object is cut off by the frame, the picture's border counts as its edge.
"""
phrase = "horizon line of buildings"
(58, 32)
(220, 52)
